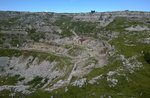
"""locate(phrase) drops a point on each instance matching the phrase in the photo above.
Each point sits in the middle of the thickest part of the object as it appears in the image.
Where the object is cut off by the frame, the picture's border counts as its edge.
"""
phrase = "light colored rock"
(131, 63)
(18, 88)
(79, 82)
(137, 28)
(146, 40)
(94, 80)
(4, 61)
(66, 89)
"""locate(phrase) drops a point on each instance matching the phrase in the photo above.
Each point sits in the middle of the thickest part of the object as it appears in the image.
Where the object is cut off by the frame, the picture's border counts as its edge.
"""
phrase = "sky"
(74, 5)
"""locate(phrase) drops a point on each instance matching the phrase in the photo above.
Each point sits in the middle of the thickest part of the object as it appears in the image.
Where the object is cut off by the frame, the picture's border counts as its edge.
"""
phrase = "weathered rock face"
(27, 69)
(104, 15)
(4, 61)
(138, 28)
(85, 56)
(55, 22)
(105, 18)
(36, 20)
(53, 50)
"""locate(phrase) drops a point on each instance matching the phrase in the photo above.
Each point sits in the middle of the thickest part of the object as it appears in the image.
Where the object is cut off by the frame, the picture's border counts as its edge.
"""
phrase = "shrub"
(147, 57)
(34, 35)
(92, 11)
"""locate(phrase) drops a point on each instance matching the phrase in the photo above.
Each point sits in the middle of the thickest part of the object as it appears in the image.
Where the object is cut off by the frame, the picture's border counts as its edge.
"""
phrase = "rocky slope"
(65, 55)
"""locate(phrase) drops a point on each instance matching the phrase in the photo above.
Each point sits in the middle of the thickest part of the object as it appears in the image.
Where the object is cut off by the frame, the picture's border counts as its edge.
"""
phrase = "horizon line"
(73, 12)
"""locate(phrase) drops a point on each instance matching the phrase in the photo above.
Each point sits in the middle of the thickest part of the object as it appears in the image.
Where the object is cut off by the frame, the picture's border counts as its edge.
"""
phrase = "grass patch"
(139, 82)
(34, 35)
(120, 23)
(36, 81)
(13, 39)
(9, 80)
(7, 93)
(80, 27)
(75, 50)
(91, 60)
(112, 65)
(132, 38)
(9, 52)
(147, 57)
(9, 22)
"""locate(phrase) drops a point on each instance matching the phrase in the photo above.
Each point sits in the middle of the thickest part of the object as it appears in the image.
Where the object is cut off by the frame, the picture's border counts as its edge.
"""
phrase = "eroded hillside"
(76, 55)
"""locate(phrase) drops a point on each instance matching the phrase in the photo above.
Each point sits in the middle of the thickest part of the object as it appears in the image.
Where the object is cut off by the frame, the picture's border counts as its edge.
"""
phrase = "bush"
(147, 57)
(36, 36)
(36, 80)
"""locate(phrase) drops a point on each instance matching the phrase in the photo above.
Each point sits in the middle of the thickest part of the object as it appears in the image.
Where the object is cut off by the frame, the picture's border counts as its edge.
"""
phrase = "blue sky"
(74, 5)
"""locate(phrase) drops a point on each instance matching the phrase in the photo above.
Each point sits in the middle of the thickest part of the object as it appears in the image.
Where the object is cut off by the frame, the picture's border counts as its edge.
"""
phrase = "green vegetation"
(37, 82)
(91, 60)
(7, 93)
(130, 85)
(9, 52)
(8, 80)
(84, 28)
(120, 23)
(138, 83)
(12, 39)
(112, 65)
(136, 86)
(128, 44)
(147, 56)
(80, 27)
(75, 50)
(21, 78)
(9, 22)
(40, 94)
(36, 36)
(61, 60)
(67, 46)
(63, 22)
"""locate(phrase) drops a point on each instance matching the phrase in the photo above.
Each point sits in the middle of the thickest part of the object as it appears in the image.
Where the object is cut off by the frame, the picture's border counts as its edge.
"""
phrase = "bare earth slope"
(75, 55)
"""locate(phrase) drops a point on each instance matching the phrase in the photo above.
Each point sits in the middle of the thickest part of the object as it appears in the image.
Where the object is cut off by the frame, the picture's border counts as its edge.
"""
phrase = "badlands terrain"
(75, 55)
